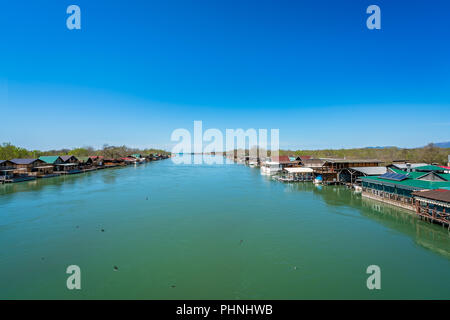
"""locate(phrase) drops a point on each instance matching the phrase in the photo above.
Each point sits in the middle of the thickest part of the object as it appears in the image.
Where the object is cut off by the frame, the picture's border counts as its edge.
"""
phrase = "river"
(210, 231)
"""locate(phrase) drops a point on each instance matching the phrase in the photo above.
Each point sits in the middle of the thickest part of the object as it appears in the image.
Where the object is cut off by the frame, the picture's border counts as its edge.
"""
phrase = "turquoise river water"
(185, 231)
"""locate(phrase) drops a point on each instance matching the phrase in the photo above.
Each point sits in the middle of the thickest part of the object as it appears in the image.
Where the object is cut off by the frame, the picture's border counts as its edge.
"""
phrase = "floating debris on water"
(116, 268)
(173, 286)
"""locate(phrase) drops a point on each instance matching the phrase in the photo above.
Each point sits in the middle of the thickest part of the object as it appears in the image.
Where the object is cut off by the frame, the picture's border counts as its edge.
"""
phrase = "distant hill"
(378, 147)
(443, 144)
(437, 144)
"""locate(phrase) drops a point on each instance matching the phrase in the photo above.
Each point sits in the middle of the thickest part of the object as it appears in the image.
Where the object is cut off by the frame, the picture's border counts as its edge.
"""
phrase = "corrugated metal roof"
(49, 159)
(351, 160)
(438, 194)
(23, 161)
(413, 165)
(410, 183)
(280, 159)
(418, 174)
(313, 163)
(412, 174)
(429, 168)
(65, 158)
(371, 171)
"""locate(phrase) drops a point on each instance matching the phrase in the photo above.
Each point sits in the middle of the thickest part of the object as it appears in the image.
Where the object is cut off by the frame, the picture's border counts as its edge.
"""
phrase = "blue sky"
(137, 70)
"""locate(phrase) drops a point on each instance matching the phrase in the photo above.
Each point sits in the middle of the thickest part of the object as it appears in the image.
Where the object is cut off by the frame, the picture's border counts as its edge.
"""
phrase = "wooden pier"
(433, 206)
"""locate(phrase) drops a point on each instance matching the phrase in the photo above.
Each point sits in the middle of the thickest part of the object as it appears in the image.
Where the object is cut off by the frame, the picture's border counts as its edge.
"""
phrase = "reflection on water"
(427, 235)
(38, 186)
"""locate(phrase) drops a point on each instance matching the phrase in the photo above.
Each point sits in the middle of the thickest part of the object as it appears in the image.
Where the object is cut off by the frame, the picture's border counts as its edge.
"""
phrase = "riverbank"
(26, 169)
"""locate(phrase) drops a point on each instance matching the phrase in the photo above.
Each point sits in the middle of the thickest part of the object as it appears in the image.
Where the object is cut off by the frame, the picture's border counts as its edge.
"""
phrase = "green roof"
(49, 159)
(136, 155)
(412, 174)
(412, 182)
(429, 168)
(415, 175)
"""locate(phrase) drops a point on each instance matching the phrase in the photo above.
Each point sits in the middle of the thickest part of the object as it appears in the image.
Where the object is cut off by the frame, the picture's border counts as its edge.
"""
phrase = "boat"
(318, 180)
(270, 168)
(284, 179)
(253, 164)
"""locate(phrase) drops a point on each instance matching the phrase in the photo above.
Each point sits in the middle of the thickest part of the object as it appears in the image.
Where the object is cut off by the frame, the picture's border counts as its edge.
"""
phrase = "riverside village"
(423, 188)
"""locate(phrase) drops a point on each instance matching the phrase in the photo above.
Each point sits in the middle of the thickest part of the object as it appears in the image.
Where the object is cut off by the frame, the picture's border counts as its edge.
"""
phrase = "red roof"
(436, 194)
(280, 159)
(445, 167)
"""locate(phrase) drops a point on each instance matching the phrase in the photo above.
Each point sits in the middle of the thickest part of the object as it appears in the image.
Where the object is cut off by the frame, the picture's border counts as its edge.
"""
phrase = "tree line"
(9, 151)
(428, 154)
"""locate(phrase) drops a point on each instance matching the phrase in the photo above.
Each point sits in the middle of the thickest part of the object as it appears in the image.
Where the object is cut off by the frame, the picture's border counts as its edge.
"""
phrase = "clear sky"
(137, 70)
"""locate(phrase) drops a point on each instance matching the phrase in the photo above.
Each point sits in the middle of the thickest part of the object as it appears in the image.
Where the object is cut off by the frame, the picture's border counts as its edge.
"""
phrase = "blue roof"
(23, 161)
